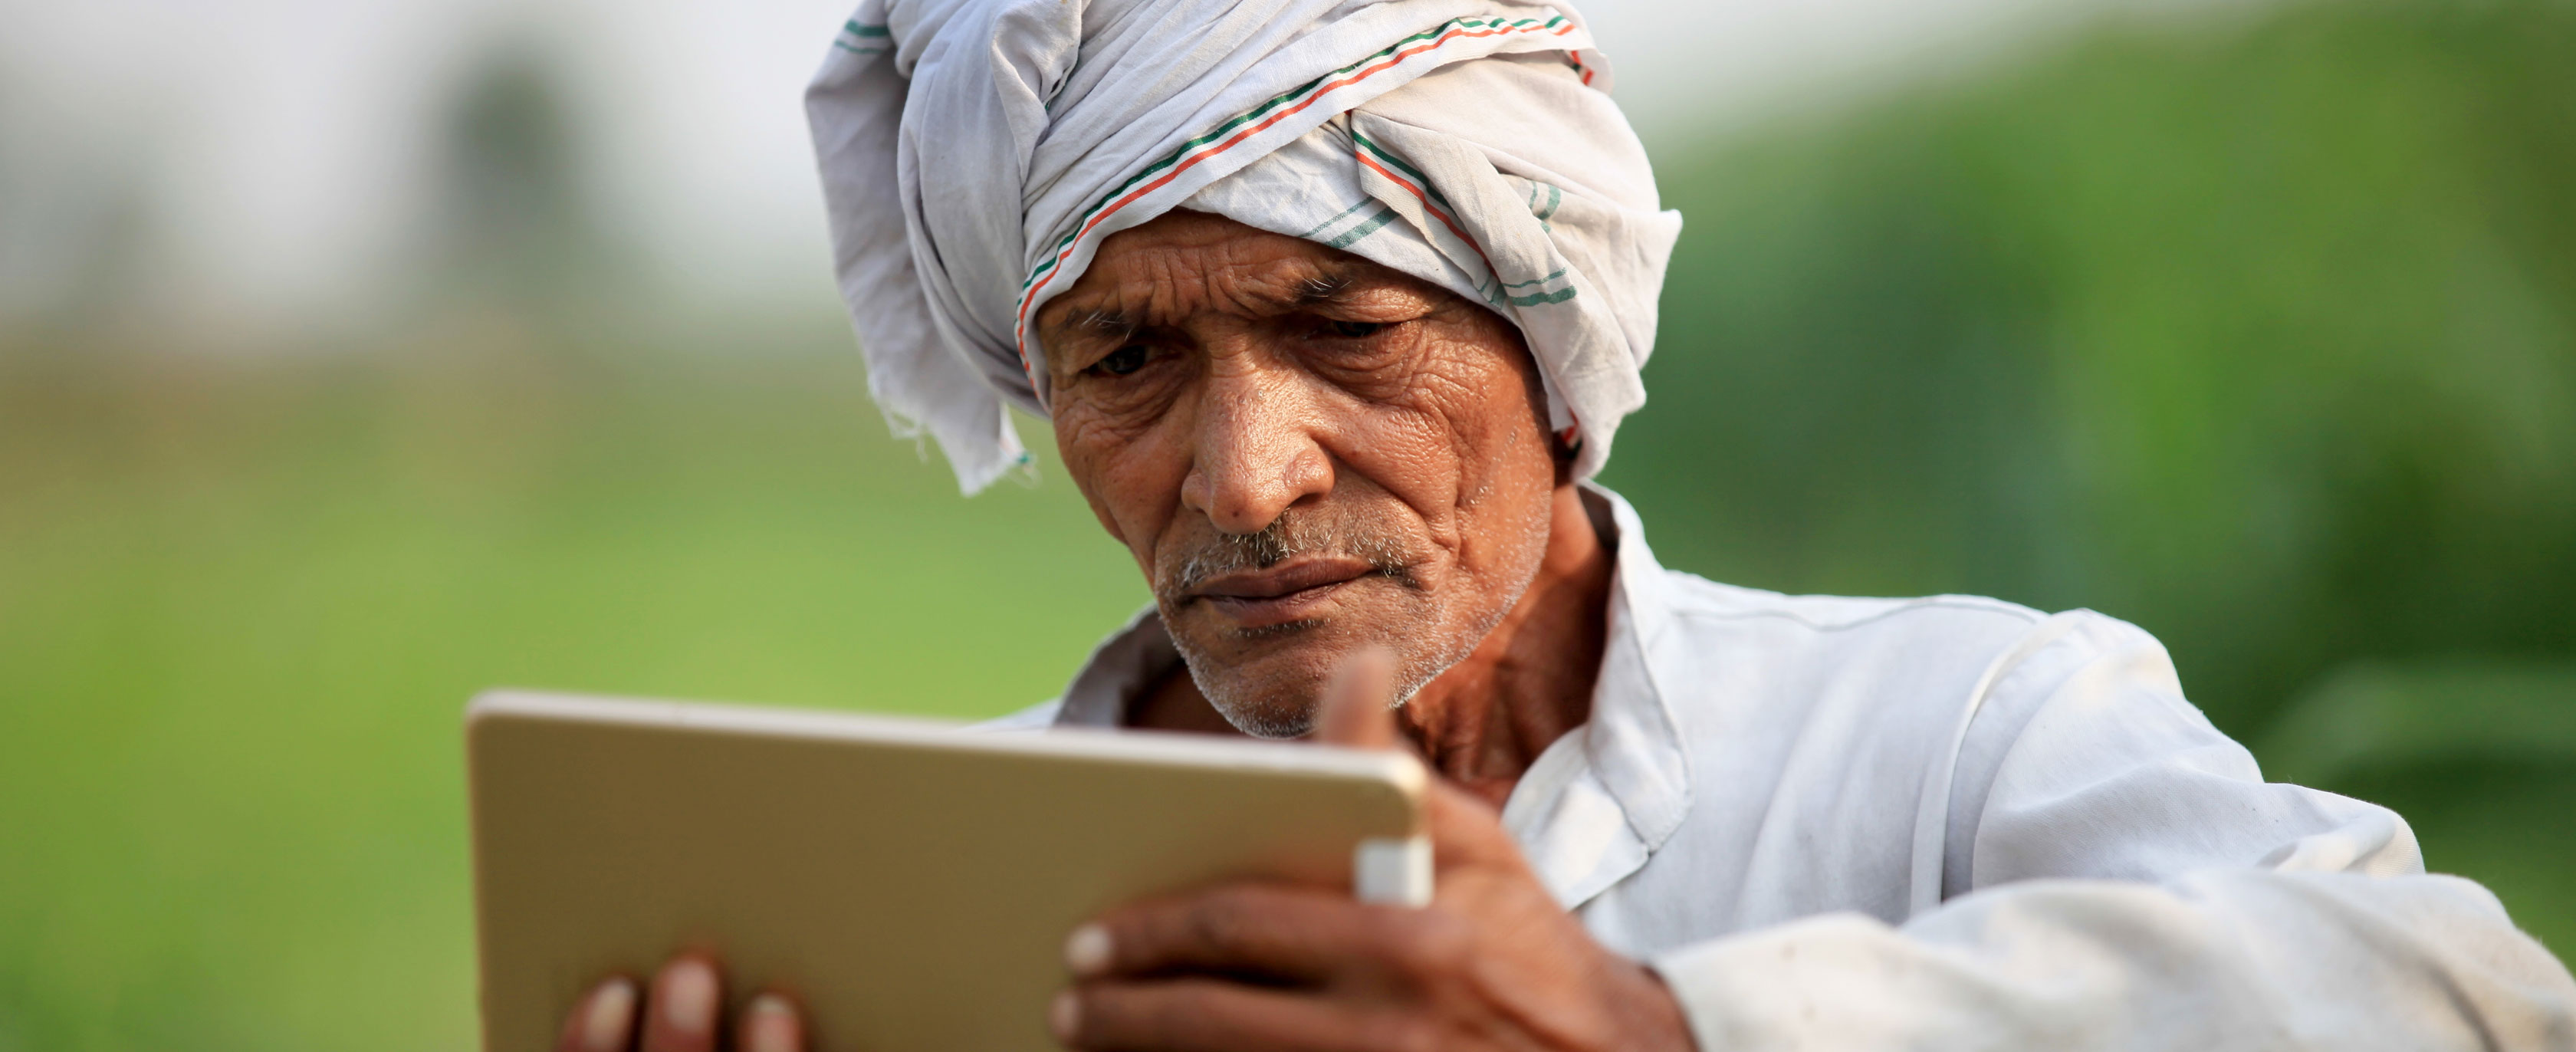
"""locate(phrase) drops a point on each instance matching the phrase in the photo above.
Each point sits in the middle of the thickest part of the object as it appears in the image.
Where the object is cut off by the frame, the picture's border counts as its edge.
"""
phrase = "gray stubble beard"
(1284, 539)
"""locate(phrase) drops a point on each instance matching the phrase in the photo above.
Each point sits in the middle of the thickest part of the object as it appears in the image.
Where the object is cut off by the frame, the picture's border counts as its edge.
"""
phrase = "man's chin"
(1262, 698)
(1264, 681)
(1269, 718)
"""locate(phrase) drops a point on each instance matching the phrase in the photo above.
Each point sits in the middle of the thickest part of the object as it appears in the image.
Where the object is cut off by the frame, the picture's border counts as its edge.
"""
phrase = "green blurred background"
(2254, 327)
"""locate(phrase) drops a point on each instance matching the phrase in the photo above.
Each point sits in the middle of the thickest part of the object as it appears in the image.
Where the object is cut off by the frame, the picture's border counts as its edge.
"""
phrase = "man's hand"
(679, 1015)
(1492, 963)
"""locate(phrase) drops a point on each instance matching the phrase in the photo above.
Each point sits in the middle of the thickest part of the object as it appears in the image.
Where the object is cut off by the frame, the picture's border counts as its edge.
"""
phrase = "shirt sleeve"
(2118, 875)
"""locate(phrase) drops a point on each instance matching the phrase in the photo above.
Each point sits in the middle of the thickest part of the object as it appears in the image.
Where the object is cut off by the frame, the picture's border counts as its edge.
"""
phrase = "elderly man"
(1335, 307)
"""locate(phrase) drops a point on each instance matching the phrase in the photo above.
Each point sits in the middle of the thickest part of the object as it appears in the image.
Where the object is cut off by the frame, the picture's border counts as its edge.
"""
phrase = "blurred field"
(2258, 333)
(241, 606)
(2261, 335)
(2264, 335)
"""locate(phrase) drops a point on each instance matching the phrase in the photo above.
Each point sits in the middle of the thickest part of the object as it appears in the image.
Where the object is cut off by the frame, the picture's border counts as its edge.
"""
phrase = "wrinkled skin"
(1339, 481)
(1210, 381)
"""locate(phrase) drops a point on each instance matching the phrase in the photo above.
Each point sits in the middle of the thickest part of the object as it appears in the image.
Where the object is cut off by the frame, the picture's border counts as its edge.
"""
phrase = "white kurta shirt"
(1958, 823)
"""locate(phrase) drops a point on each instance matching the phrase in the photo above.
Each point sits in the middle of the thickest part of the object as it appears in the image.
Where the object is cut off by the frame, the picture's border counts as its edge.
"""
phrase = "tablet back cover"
(911, 883)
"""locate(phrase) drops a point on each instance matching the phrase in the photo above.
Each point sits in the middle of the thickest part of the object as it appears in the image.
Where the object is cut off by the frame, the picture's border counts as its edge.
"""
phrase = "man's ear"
(1563, 445)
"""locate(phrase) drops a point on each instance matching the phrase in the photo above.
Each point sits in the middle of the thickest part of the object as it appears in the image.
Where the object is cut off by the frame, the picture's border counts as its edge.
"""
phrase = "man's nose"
(1256, 450)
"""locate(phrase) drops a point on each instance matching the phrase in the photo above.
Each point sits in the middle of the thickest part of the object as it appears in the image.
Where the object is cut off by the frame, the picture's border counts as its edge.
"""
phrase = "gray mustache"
(1286, 537)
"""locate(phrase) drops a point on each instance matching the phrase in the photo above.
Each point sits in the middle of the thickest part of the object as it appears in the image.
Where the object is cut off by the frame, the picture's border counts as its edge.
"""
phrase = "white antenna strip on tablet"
(1393, 871)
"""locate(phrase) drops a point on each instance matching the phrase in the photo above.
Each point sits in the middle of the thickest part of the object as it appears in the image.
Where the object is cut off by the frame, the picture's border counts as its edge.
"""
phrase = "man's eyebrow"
(1098, 321)
(1322, 288)
(1112, 323)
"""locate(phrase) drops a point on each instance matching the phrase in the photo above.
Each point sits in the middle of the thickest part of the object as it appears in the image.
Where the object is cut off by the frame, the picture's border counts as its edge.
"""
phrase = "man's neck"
(1483, 722)
(1486, 720)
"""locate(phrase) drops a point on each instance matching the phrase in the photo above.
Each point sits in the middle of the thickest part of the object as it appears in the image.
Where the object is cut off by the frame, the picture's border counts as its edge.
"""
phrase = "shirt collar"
(1119, 671)
(1597, 802)
(1634, 739)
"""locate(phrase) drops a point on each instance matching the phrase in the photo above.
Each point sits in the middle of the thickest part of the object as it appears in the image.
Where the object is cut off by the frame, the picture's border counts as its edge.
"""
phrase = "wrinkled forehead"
(1191, 264)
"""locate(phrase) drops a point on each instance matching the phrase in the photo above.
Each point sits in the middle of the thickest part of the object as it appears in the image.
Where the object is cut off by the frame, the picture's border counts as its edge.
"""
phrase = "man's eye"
(1353, 330)
(1120, 362)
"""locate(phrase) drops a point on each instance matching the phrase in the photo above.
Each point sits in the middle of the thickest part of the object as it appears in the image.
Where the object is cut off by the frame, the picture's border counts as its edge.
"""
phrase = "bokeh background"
(354, 358)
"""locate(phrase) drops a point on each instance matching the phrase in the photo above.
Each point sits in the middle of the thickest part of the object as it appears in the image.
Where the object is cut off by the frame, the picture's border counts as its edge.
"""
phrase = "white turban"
(975, 152)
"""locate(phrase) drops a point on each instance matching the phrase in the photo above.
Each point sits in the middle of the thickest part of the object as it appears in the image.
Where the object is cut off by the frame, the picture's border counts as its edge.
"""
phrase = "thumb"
(1357, 710)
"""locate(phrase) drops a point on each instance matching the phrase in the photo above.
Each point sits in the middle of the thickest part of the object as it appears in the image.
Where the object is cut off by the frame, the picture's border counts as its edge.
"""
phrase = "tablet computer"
(910, 882)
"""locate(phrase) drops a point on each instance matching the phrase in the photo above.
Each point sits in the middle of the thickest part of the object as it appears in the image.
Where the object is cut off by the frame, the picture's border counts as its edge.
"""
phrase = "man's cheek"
(1119, 472)
(1413, 456)
(1480, 427)
(1088, 436)
(1085, 471)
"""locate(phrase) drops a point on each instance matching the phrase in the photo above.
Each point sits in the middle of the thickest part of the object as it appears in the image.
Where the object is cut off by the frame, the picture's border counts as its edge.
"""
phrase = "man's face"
(1306, 452)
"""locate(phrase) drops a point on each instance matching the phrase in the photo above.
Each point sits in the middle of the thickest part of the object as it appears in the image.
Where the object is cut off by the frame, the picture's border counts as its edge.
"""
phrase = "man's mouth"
(1290, 591)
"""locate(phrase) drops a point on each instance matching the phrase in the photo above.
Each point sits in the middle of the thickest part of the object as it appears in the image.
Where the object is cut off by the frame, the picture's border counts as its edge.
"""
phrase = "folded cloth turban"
(976, 152)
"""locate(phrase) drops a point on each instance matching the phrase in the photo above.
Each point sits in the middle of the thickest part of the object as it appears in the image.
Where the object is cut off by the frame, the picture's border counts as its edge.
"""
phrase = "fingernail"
(688, 997)
(1064, 1016)
(1087, 950)
(604, 1021)
(770, 1025)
